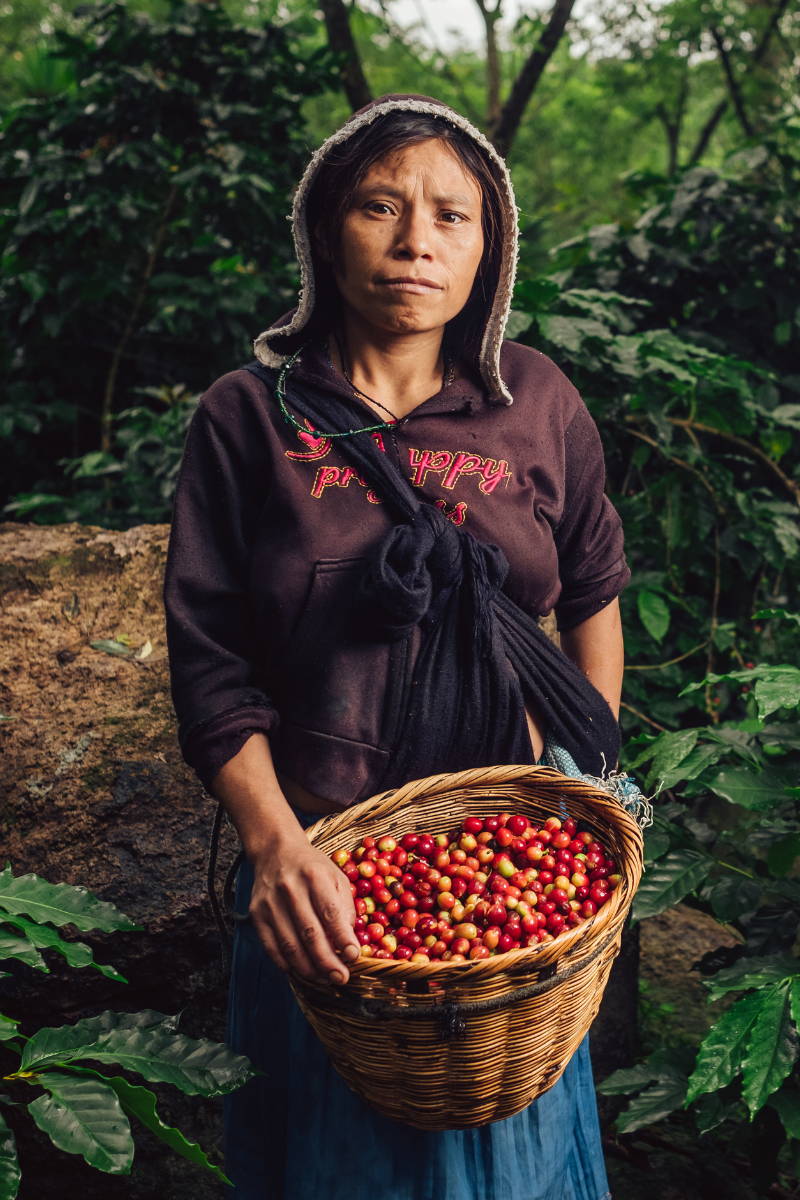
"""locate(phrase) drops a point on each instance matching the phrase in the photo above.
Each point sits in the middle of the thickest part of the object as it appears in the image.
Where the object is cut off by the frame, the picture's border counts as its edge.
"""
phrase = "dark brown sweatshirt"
(271, 528)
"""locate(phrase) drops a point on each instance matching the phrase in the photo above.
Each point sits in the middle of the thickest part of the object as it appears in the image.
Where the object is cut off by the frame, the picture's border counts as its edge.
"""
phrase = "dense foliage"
(142, 226)
(49, 1072)
(681, 331)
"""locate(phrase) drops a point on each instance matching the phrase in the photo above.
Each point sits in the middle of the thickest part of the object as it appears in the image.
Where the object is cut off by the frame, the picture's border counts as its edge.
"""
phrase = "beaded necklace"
(289, 417)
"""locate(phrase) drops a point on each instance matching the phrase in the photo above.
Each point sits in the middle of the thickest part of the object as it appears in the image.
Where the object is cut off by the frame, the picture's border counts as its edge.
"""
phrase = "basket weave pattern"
(453, 1045)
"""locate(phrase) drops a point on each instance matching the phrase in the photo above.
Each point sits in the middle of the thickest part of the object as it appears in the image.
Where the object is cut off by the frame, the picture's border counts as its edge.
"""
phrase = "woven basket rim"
(522, 961)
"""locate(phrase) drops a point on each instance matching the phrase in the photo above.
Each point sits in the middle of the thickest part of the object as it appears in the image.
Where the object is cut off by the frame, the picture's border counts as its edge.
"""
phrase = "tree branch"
(707, 132)
(525, 84)
(341, 41)
(791, 487)
(730, 78)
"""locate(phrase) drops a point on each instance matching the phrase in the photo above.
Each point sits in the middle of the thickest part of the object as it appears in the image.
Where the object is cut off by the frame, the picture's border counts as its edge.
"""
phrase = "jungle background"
(147, 157)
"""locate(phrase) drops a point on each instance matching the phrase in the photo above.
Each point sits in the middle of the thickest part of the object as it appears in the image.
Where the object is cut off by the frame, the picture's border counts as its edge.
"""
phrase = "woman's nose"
(413, 235)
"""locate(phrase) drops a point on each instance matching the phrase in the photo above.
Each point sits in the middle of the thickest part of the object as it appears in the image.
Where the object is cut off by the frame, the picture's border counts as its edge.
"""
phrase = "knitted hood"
(273, 346)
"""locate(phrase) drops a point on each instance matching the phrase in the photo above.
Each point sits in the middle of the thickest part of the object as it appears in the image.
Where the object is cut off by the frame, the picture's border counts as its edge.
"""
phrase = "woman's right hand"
(302, 909)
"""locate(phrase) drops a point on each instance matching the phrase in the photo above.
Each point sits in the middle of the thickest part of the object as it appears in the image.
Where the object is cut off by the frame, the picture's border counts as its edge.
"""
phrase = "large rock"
(95, 793)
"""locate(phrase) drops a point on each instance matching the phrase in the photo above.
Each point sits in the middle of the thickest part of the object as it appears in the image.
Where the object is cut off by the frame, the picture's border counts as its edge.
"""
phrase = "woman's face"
(411, 242)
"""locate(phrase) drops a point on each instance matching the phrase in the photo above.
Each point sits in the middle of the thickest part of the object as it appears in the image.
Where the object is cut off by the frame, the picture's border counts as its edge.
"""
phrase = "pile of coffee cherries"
(498, 883)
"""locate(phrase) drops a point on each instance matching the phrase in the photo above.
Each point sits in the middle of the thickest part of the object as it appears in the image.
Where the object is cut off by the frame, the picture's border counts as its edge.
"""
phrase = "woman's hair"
(337, 181)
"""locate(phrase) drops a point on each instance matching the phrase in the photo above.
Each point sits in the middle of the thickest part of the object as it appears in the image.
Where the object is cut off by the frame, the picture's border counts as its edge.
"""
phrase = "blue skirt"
(297, 1132)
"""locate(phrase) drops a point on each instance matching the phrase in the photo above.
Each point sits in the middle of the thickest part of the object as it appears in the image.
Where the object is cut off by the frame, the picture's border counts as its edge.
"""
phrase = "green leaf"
(720, 1054)
(782, 854)
(9, 1163)
(779, 689)
(197, 1067)
(140, 1102)
(656, 843)
(628, 1079)
(668, 880)
(786, 1103)
(52, 1043)
(19, 948)
(795, 1001)
(751, 972)
(732, 896)
(517, 324)
(77, 954)
(8, 1028)
(666, 752)
(653, 613)
(653, 1104)
(59, 903)
(109, 646)
(760, 791)
(778, 613)
(84, 1116)
(771, 1048)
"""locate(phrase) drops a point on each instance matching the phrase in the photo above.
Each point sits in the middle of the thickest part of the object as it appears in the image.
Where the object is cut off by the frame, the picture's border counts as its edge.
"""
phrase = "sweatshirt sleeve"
(220, 493)
(592, 566)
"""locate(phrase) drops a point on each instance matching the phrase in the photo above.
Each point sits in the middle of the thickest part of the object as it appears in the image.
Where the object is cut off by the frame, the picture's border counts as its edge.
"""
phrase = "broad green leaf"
(8, 1028)
(759, 791)
(628, 1079)
(19, 948)
(517, 324)
(77, 954)
(786, 1103)
(59, 903)
(197, 1067)
(653, 1104)
(9, 1163)
(693, 765)
(668, 880)
(782, 854)
(52, 1043)
(140, 1102)
(656, 843)
(720, 1054)
(751, 972)
(778, 613)
(771, 1048)
(653, 613)
(84, 1116)
(666, 752)
(779, 689)
(732, 896)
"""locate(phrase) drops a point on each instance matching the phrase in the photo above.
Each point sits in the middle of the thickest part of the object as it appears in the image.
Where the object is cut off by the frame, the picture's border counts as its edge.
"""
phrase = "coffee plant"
(143, 237)
(682, 333)
(83, 1109)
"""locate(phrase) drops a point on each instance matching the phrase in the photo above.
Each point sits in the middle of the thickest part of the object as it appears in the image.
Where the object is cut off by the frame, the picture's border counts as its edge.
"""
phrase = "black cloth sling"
(481, 655)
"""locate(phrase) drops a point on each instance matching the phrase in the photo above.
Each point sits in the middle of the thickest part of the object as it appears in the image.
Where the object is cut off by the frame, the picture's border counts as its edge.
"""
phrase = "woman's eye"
(378, 206)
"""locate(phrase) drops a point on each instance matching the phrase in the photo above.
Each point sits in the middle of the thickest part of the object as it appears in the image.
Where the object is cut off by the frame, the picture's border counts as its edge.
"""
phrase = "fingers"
(336, 916)
(307, 926)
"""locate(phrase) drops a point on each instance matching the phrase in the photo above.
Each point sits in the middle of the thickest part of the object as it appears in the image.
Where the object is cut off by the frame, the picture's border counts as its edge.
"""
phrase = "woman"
(367, 521)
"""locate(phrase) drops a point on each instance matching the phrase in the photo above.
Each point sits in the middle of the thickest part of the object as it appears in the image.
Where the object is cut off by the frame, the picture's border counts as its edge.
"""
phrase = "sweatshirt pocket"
(335, 679)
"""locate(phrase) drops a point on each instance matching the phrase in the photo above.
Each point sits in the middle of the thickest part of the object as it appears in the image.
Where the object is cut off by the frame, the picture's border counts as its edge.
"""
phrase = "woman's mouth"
(416, 285)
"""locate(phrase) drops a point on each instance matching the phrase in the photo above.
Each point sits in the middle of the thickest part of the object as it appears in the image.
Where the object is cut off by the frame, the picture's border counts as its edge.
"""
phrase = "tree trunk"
(341, 41)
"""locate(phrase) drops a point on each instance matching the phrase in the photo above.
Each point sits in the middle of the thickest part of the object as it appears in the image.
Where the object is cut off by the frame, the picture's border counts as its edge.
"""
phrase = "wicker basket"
(452, 1045)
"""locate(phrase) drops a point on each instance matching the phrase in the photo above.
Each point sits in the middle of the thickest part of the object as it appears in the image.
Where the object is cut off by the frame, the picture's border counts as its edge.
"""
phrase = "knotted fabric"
(481, 656)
